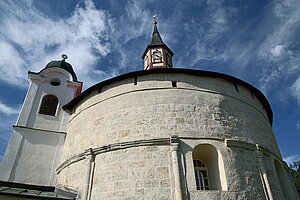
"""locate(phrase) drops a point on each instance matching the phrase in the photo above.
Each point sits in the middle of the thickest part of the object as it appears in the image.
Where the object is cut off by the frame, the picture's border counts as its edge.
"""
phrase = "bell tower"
(157, 53)
(35, 147)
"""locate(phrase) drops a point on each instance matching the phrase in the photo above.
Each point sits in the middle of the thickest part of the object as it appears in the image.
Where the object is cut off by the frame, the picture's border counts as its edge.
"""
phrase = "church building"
(160, 133)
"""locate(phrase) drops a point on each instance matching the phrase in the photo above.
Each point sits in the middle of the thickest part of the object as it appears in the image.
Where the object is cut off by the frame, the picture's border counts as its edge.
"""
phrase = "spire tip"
(154, 20)
(64, 57)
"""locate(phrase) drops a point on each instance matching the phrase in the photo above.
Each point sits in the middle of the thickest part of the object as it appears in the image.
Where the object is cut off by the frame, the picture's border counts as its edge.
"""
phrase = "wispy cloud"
(262, 49)
(197, 39)
(278, 49)
(8, 116)
(218, 23)
(263, 45)
(29, 40)
(87, 36)
(132, 24)
(290, 159)
(7, 110)
(295, 89)
(11, 65)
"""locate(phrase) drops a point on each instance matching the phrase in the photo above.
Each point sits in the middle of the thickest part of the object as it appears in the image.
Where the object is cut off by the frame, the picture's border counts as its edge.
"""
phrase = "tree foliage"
(295, 171)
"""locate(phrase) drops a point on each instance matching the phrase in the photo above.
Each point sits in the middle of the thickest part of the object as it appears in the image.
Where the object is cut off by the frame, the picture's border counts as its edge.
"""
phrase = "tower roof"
(156, 41)
(64, 65)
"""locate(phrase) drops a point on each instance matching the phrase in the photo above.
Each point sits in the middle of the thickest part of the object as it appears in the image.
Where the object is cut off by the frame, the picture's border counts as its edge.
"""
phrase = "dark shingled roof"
(234, 80)
(64, 65)
(156, 42)
(33, 191)
(156, 39)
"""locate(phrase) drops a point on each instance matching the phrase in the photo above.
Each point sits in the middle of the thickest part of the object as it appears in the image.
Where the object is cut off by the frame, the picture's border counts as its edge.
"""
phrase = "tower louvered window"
(201, 175)
(49, 105)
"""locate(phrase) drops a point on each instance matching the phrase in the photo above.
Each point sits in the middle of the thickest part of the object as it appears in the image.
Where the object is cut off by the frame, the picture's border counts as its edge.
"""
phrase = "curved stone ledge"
(249, 146)
(113, 147)
(159, 141)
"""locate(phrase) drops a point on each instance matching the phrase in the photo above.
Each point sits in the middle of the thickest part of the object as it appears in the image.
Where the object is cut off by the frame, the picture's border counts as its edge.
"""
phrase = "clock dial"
(156, 55)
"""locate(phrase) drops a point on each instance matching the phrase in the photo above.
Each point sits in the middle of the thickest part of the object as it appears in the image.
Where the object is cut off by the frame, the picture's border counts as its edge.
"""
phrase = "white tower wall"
(37, 140)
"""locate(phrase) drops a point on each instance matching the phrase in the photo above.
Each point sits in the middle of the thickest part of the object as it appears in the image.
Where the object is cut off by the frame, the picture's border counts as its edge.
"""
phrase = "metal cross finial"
(154, 21)
(64, 56)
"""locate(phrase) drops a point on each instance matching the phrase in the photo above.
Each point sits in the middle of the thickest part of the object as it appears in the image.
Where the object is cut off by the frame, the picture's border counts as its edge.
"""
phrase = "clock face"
(156, 55)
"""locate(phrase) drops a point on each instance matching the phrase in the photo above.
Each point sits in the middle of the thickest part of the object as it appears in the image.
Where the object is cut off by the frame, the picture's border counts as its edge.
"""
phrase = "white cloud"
(86, 36)
(218, 17)
(133, 23)
(298, 125)
(277, 50)
(295, 89)
(6, 110)
(290, 159)
(7, 120)
(29, 40)
(8, 116)
(138, 18)
(205, 32)
(12, 65)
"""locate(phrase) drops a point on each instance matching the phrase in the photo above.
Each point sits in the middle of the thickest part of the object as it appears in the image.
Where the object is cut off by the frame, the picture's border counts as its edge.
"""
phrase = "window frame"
(201, 175)
(49, 105)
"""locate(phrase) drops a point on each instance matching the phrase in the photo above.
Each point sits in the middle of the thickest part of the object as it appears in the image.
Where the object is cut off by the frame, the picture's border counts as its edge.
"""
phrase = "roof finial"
(64, 56)
(154, 21)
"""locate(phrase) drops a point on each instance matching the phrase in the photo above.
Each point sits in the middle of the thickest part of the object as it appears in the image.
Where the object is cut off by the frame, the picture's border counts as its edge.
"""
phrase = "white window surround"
(214, 167)
(49, 105)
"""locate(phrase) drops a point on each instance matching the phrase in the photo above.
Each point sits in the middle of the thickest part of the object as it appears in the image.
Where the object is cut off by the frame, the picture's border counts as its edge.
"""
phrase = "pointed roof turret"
(156, 39)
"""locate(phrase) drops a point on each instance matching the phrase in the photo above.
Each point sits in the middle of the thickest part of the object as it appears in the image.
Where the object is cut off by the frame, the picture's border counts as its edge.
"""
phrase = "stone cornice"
(37, 129)
(160, 142)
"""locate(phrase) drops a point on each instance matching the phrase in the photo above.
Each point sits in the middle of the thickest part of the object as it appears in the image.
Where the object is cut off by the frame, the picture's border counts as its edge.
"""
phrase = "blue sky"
(256, 41)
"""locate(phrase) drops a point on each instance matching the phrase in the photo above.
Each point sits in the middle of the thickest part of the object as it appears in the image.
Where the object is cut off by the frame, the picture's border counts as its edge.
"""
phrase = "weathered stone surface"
(200, 110)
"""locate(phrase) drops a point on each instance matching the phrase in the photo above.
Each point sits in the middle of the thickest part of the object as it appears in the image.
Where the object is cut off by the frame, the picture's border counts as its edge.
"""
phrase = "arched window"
(49, 105)
(201, 175)
(208, 168)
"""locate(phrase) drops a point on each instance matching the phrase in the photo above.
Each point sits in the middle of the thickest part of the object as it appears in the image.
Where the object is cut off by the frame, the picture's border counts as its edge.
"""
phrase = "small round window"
(55, 82)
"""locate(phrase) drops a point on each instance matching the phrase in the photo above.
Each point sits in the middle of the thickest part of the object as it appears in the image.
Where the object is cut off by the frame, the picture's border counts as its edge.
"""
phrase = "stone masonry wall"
(199, 109)
(135, 173)
(154, 108)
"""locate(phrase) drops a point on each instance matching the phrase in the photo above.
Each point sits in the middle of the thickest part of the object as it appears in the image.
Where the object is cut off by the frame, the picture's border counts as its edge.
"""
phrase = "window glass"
(209, 168)
(49, 105)
(55, 82)
(201, 175)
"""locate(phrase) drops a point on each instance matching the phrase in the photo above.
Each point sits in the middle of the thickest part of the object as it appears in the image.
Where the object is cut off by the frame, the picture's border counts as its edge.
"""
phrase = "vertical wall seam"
(23, 105)
(54, 160)
(89, 157)
(17, 157)
(91, 179)
(176, 168)
(263, 173)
